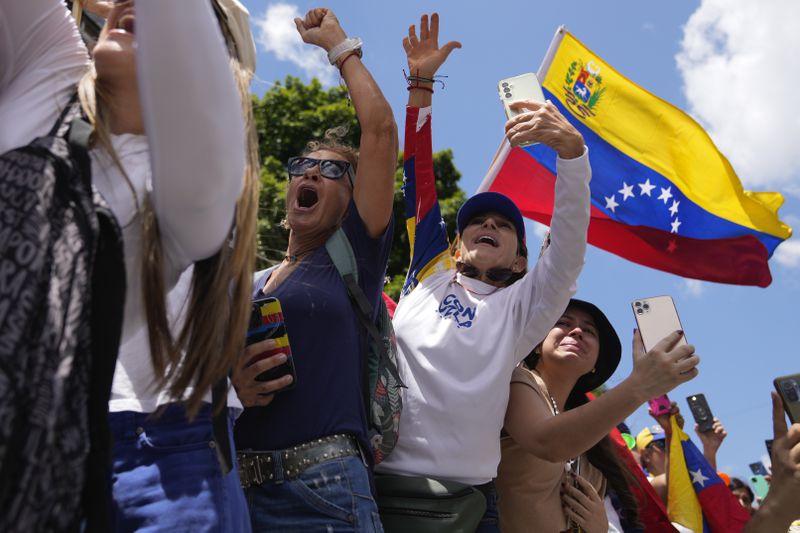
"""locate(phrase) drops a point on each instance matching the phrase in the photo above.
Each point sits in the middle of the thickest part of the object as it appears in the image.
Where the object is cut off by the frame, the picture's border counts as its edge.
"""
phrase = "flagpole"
(551, 53)
(502, 152)
(494, 168)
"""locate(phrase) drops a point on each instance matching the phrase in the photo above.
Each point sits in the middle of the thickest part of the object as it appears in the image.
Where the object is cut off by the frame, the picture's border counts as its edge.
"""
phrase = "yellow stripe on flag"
(658, 135)
(683, 506)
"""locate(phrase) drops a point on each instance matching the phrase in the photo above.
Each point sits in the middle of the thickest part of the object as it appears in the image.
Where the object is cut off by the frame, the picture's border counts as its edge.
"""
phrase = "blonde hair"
(212, 337)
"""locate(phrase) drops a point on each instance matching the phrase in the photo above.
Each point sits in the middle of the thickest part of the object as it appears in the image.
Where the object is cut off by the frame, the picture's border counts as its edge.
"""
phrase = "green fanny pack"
(425, 505)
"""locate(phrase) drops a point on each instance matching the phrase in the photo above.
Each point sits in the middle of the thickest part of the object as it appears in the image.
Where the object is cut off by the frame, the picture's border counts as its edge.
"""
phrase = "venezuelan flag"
(663, 196)
(697, 498)
(427, 234)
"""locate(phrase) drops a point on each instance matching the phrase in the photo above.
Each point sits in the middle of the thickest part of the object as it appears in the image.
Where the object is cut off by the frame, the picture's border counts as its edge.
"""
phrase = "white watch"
(344, 47)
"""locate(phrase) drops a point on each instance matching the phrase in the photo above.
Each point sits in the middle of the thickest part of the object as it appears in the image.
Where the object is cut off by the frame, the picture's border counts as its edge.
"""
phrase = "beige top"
(528, 488)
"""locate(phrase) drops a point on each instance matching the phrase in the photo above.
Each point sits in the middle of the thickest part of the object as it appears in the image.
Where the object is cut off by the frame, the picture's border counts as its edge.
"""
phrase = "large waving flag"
(697, 498)
(663, 196)
(427, 234)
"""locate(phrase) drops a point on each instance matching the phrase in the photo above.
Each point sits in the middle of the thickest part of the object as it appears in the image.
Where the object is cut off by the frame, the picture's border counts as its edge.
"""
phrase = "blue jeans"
(333, 496)
(490, 523)
(167, 477)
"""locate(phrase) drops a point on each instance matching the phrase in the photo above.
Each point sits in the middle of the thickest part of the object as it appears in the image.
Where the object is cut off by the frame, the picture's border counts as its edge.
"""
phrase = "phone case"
(701, 412)
(768, 444)
(656, 318)
(266, 322)
(660, 406)
(758, 469)
(789, 389)
(760, 486)
(517, 89)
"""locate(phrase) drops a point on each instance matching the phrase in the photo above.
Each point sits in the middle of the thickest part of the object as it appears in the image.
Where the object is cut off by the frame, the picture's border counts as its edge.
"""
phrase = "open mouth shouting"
(307, 197)
(487, 239)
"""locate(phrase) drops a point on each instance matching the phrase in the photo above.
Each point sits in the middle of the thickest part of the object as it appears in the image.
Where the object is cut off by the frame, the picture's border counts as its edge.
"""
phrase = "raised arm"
(572, 432)
(193, 120)
(42, 57)
(374, 187)
(427, 234)
(543, 294)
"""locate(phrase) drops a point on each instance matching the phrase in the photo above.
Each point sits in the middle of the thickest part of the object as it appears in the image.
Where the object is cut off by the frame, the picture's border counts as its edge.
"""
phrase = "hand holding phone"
(662, 359)
(524, 87)
(267, 366)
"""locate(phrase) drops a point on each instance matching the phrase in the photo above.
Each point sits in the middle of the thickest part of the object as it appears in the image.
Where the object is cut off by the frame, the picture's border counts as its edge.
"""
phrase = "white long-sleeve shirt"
(191, 159)
(459, 340)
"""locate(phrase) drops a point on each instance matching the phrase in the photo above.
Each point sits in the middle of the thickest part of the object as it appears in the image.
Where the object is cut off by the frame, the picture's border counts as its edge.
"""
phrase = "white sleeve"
(194, 125)
(543, 294)
(42, 57)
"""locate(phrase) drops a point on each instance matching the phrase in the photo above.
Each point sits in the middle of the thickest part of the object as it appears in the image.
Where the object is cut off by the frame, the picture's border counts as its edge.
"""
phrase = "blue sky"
(727, 62)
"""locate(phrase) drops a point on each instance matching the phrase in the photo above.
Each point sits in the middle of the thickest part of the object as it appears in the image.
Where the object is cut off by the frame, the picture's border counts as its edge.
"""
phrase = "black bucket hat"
(610, 348)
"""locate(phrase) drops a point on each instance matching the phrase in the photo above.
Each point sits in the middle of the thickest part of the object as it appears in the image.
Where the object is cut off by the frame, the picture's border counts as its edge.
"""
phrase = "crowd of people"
(129, 399)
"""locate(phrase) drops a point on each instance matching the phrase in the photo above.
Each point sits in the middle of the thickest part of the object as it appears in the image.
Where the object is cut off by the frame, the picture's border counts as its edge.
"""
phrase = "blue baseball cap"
(485, 202)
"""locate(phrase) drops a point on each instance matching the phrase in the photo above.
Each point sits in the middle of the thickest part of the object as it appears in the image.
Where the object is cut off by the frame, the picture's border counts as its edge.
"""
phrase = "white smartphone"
(656, 318)
(519, 88)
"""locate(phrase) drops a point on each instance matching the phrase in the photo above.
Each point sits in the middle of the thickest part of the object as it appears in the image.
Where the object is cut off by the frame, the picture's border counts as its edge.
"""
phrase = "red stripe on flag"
(739, 260)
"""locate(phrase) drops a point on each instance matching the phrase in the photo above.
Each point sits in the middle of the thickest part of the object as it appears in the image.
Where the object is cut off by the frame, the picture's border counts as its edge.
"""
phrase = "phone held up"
(789, 389)
(758, 469)
(701, 412)
(266, 322)
(656, 318)
(518, 89)
(760, 486)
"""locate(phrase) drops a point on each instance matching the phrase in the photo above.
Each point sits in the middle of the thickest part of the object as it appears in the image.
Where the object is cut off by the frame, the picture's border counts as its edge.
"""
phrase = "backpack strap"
(219, 423)
(341, 253)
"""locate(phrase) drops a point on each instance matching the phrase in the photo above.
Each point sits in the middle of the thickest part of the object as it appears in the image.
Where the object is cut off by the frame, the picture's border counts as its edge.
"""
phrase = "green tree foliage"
(292, 113)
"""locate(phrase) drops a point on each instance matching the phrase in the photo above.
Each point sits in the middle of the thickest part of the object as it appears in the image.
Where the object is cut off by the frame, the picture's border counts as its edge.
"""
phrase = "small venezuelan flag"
(663, 196)
(697, 498)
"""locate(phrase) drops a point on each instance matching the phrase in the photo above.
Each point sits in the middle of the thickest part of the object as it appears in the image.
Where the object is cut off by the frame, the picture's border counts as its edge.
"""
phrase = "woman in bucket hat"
(558, 461)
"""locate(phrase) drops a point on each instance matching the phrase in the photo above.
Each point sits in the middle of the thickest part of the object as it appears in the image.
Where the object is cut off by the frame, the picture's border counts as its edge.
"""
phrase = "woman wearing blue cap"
(463, 323)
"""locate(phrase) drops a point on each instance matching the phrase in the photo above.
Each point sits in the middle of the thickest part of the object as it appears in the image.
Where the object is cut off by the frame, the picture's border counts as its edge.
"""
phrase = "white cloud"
(788, 253)
(738, 61)
(693, 287)
(276, 33)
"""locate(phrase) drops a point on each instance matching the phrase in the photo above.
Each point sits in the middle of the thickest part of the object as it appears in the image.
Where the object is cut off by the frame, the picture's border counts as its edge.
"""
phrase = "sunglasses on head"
(660, 444)
(333, 169)
(496, 274)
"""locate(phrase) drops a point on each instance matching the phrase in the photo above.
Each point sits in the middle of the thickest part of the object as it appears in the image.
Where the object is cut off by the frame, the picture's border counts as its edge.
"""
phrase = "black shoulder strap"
(219, 410)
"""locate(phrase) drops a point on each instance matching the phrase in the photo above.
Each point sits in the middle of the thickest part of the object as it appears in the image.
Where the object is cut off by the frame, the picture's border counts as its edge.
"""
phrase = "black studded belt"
(256, 468)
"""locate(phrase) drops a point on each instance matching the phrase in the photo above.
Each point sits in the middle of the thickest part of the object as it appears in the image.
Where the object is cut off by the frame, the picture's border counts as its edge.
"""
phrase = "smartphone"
(656, 318)
(701, 412)
(266, 322)
(789, 389)
(768, 444)
(660, 406)
(758, 469)
(760, 486)
(517, 89)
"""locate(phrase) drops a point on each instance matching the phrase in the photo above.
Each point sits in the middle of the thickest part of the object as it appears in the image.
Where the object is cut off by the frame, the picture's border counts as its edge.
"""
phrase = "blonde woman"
(166, 94)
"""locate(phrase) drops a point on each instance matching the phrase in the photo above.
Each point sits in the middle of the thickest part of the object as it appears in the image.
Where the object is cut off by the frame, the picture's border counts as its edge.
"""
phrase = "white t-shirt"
(192, 119)
(459, 340)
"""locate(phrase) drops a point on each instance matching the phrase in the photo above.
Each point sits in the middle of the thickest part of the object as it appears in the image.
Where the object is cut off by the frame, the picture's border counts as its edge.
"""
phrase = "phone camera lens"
(638, 304)
(645, 306)
(505, 84)
(639, 311)
(508, 95)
